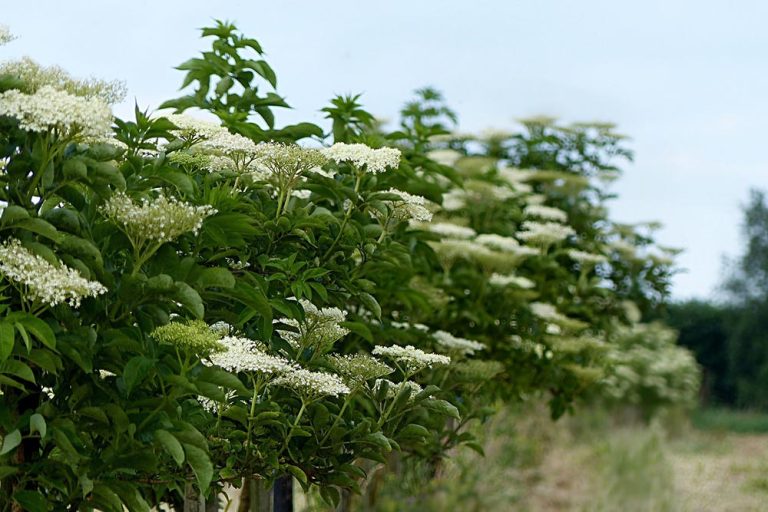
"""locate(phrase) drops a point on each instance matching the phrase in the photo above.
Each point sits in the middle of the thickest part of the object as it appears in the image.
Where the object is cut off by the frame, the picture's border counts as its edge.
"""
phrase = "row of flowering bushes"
(190, 302)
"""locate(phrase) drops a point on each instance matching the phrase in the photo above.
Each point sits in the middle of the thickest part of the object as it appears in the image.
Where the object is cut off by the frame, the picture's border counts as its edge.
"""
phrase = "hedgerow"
(193, 301)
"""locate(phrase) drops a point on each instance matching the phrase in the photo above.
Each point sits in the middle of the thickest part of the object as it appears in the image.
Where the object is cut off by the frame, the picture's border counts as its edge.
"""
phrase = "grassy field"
(717, 462)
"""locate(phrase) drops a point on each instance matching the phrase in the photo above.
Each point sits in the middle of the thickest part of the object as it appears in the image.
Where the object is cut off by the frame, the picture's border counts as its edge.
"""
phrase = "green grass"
(729, 420)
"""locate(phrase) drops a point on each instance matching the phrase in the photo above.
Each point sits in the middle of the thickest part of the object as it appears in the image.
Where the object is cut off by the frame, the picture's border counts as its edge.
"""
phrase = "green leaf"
(37, 424)
(17, 369)
(7, 337)
(360, 329)
(217, 277)
(135, 371)
(189, 298)
(39, 329)
(443, 407)
(107, 498)
(222, 378)
(371, 303)
(10, 441)
(298, 474)
(171, 445)
(39, 226)
(6, 471)
(32, 501)
(13, 213)
(201, 465)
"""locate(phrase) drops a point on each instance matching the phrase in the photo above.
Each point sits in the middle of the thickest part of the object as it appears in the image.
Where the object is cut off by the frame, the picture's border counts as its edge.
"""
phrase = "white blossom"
(162, 219)
(410, 207)
(461, 345)
(312, 384)
(547, 312)
(449, 230)
(586, 258)
(497, 279)
(245, 355)
(5, 35)
(544, 233)
(43, 282)
(360, 155)
(413, 358)
(502, 243)
(445, 156)
(49, 109)
(545, 212)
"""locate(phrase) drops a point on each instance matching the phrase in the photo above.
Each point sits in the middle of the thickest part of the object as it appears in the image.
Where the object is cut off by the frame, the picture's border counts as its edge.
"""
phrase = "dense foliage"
(189, 303)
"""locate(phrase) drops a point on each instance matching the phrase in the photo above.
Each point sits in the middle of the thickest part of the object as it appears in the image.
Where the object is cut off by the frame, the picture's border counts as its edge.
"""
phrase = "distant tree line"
(730, 336)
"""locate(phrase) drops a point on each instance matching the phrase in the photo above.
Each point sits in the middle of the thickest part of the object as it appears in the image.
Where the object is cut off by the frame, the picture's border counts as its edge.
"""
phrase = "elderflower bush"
(649, 370)
(199, 303)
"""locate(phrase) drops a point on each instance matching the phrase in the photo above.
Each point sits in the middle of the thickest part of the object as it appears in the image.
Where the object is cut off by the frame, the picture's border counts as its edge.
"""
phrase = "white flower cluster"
(497, 279)
(5, 35)
(320, 329)
(586, 258)
(411, 207)
(545, 212)
(245, 355)
(213, 406)
(461, 345)
(413, 358)
(162, 219)
(445, 156)
(312, 384)
(42, 281)
(453, 200)
(547, 312)
(502, 243)
(358, 368)
(50, 109)
(287, 163)
(544, 233)
(360, 155)
(448, 230)
(34, 76)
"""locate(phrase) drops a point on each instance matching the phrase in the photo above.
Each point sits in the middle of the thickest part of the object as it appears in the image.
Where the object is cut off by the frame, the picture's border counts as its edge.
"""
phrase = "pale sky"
(686, 80)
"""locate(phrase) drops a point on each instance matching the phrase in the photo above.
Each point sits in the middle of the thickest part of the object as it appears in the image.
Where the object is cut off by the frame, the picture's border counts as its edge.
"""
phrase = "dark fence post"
(283, 494)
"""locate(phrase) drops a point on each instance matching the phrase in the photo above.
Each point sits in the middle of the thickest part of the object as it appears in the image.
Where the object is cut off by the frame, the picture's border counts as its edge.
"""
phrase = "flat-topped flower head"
(586, 258)
(364, 157)
(161, 219)
(547, 312)
(409, 207)
(237, 354)
(33, 76)
(287, 163)
(544, 233)
(193, 335)
(540, 211)
(358, 368)
(312, 385)
(456, 344)
(412, 358)
(52, 110)
(449, 230)
(498, 242)
(41, 281)
(503, 280)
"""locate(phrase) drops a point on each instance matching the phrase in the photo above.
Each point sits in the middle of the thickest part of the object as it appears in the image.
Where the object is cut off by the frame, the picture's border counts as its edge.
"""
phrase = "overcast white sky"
(686, 79)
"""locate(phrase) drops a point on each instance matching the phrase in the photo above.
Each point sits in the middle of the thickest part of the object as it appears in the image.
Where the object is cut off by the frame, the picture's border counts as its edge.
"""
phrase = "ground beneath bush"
(636, 470)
